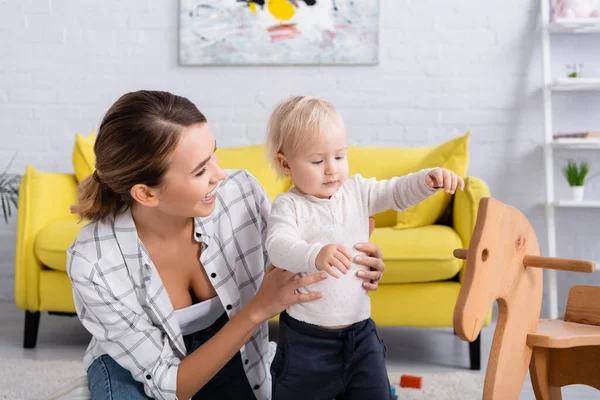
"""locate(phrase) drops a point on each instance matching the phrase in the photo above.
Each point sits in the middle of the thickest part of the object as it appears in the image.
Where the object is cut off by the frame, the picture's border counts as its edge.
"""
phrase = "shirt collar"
(203, 228)
(129, 242)
(315, 199)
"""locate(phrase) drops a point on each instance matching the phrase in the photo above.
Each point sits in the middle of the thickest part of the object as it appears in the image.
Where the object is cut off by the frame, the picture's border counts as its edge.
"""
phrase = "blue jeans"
(323, 364)
(107, 380)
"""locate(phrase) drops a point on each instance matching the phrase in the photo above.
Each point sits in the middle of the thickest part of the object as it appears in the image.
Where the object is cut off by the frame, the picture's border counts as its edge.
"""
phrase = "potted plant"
(576, 176)
(9, 191)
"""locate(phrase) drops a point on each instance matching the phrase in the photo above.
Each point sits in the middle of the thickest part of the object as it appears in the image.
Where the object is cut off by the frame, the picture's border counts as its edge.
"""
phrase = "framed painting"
(216, 32)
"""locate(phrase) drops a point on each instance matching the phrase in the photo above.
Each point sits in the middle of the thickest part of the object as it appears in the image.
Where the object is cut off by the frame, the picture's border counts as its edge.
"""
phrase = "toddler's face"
(322, 167)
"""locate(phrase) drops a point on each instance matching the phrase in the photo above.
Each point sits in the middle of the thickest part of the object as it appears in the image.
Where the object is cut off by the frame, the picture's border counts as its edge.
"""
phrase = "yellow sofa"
(419, 288)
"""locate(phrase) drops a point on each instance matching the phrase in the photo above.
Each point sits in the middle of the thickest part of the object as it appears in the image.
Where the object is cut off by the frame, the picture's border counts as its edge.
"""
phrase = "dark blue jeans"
(107, 380)
(317, 363)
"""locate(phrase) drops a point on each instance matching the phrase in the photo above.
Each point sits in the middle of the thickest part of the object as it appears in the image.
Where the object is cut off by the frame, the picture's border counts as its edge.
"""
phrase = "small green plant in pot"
(576, 175)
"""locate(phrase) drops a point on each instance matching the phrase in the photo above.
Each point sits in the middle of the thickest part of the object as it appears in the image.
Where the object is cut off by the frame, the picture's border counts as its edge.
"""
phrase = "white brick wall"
(445, 67)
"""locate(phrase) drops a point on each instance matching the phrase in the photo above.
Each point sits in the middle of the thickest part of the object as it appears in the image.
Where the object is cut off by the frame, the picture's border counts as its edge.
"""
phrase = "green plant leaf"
(583, 171)
(9, 191)
(4, 209)
(576, 174)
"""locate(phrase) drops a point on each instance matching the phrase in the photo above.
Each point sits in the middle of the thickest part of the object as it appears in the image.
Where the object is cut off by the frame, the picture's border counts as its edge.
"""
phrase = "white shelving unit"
(577, 204)
(574, 25)
(578, 144)
(574, 84)
(561, 26)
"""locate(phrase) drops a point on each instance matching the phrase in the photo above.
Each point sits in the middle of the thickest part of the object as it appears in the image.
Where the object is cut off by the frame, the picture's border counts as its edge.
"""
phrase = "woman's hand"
(278, 292)
(372, 259)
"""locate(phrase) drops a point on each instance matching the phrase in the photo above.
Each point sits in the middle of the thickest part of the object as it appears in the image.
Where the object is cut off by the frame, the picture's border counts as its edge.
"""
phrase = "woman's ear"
(144, 195)
(283, 163)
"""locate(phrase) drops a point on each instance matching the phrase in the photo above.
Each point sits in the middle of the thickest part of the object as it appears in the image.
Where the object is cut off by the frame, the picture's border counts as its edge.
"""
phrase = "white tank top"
(199, 316)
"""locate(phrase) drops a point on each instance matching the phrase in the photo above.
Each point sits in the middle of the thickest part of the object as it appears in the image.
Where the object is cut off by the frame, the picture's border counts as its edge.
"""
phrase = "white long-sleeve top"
(300, 225)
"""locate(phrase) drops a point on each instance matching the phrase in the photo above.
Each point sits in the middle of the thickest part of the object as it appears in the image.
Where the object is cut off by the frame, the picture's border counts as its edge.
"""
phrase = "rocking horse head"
(503, 263)
(501, 239)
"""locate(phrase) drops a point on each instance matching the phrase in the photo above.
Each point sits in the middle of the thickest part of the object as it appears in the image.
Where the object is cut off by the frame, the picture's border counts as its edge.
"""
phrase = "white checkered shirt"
(122, 302)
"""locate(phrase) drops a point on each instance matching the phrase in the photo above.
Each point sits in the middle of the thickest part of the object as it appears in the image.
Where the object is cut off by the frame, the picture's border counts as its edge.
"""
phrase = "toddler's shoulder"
(355, 183)
(286, 200)
(355, 179)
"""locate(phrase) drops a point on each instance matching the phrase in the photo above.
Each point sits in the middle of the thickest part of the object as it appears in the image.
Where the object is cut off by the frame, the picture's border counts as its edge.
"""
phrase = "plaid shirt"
(122, 302)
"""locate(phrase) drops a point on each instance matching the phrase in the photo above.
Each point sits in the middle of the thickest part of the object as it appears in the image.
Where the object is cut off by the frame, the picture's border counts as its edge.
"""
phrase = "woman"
(171, 276)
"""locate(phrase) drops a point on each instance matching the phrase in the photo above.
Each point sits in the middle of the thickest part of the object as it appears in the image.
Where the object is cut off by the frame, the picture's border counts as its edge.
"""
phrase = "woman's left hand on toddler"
(442, 178)
(373, 258)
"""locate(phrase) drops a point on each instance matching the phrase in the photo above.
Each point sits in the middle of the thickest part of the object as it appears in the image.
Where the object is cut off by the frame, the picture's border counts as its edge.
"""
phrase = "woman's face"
(189, 186)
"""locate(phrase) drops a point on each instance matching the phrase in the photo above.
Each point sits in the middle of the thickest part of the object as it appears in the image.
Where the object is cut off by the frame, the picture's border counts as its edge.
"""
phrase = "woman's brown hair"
(135, 139)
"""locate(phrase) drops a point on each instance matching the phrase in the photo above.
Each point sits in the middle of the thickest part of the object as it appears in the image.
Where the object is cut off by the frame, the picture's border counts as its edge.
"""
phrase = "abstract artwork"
(278, 32)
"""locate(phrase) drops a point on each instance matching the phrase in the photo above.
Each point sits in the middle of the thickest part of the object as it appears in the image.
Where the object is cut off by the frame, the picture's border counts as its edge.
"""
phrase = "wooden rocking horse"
(503, 263)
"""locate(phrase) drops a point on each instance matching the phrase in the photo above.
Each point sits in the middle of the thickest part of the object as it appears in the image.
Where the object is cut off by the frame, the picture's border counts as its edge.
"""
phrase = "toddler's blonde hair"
(297, 122)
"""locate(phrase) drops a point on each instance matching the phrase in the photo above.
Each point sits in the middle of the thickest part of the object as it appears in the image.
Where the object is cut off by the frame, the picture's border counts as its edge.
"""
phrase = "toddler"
(329, 348)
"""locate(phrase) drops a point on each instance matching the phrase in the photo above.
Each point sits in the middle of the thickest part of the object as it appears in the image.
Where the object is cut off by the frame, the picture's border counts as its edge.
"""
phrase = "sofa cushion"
(385, 163)
(54, 239)
(422, 254)
(56, 292)
(453, 155)
(84, 158)
(253, 159)
(429, 304)
(424, 304)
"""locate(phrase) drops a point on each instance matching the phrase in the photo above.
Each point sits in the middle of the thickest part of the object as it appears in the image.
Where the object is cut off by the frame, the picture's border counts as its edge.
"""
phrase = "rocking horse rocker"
(503, 263)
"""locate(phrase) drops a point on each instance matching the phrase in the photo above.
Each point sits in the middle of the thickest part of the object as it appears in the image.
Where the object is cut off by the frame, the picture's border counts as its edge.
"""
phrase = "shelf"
(576, 143)
(556, 29)
(572, 84)
(576, 204)
(575, 25)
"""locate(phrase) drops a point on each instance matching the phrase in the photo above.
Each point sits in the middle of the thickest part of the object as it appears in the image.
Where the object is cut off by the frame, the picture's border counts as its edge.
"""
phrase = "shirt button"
(148, 376)
(229, 306)
(213, 275)
(256, 387)
(246, 362)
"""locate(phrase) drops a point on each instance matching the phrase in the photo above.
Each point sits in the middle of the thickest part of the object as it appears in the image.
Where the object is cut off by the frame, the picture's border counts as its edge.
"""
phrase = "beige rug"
(461, 385)
(33, 380)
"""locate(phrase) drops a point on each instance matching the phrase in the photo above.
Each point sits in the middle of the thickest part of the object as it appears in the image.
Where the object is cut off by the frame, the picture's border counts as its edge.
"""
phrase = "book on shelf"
(577, 135)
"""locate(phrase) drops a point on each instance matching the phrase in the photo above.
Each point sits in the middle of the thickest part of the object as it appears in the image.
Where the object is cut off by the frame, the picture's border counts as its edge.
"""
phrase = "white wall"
(445, 67)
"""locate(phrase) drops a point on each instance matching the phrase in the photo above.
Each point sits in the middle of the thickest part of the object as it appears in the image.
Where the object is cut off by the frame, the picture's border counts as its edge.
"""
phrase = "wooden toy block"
(409, 381)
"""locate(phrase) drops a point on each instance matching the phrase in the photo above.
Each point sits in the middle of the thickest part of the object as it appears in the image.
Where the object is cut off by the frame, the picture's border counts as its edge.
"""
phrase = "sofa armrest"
(43, 198)
(464, 212)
